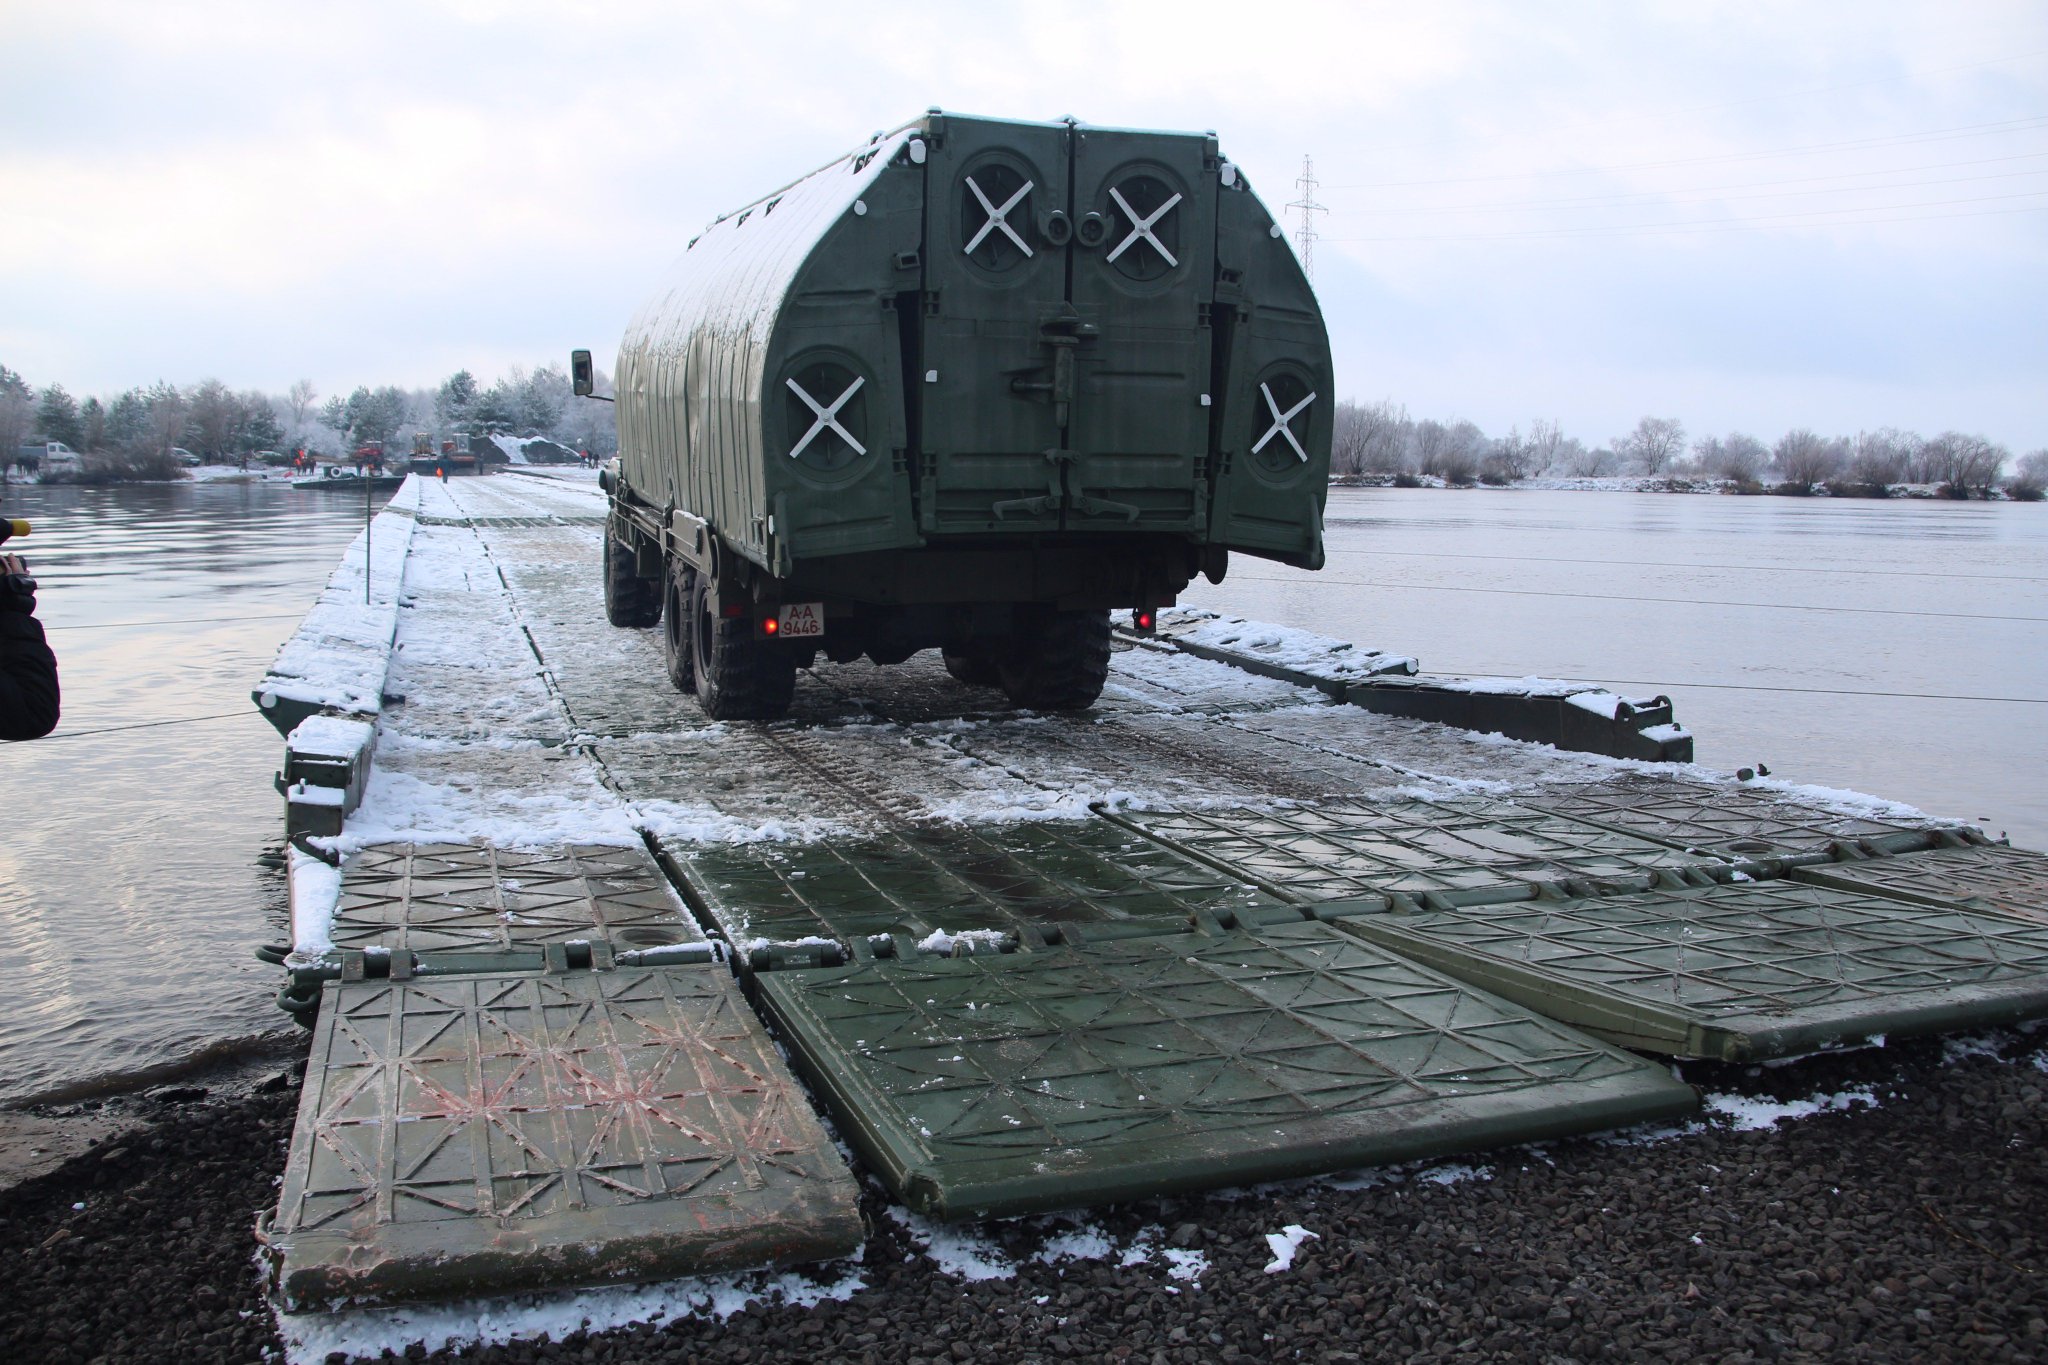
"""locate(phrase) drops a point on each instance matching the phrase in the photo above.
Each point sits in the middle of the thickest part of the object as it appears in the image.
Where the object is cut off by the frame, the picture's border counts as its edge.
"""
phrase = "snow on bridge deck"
(1021, 955)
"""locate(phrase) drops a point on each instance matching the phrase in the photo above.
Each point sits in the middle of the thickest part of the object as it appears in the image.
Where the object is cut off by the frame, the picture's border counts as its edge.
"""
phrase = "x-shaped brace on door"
(998, 218)
(1280, 421)
(828, 418)
(1141, 228)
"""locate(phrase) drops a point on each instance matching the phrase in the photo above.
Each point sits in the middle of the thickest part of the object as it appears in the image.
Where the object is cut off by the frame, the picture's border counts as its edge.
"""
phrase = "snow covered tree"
(1654, 443)
(455, 402)
(57, 417)
(1737, 456)
(1806, 460)
(211, 419)
(2029, 481)
(92, 422)
(259, 429)
(17, 422)
(127, 422)
(1878, 459)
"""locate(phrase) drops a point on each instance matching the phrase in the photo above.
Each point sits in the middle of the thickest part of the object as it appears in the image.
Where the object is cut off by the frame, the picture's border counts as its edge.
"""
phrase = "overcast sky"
(1745, 216)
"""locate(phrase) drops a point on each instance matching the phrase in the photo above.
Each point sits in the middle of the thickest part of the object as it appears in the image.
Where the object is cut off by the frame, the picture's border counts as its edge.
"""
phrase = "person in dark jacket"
(28, 670)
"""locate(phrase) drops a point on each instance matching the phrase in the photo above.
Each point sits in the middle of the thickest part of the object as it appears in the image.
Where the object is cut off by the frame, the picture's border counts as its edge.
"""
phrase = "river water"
(1897, 648)
(131, 890)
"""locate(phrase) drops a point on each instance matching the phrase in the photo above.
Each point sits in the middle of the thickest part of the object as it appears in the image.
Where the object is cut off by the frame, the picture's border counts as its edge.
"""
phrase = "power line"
(146, 725)
(1722, 224)
(1717, 195)
(1667, 564)
(1659, 601)
(1897, 139)
(176, 621)
(1737, 104)
(1763, 687)
(1305, 235)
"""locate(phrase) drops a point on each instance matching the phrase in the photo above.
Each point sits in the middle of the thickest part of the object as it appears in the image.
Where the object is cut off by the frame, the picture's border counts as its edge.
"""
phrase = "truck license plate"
(800, 619)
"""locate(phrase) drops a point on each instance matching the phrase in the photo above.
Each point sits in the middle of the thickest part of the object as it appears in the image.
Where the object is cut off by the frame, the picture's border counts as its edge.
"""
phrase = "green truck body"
(968, 387)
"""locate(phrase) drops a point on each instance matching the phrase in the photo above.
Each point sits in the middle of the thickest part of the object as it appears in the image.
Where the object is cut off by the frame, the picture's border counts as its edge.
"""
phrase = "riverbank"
(1880, 1205)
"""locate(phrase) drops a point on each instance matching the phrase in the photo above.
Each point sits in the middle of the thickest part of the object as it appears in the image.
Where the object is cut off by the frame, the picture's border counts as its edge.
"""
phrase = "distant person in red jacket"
(28, 670)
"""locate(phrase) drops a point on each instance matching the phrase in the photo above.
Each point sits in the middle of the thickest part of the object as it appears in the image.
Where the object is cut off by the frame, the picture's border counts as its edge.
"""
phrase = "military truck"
(968, 387)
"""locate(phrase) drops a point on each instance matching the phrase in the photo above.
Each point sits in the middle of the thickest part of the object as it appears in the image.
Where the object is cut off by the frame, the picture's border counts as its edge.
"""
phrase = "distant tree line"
(137, 434)
(1379, 442)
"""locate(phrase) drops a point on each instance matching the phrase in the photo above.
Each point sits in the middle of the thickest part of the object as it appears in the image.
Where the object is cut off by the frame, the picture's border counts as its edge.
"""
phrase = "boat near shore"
(333, 478)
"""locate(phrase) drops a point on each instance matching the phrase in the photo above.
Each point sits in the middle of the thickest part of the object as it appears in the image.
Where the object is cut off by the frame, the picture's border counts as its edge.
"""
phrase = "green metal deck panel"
(1752, 969)
(1739, 821)
(993, 1085)
(1993, 876)
(1467, 851)
(1003, 877)
(468, 897)
(492, 1133)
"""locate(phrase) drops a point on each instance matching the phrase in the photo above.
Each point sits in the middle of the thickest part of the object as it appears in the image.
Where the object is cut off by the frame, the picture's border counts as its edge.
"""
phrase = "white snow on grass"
(1285, 1244)
(309, 1338)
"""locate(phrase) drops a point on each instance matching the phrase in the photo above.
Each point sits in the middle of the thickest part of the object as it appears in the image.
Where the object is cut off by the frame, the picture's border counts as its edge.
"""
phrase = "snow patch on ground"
(1751, 1113)
(961, 1252)
(310, 1338)
(1285, 1243)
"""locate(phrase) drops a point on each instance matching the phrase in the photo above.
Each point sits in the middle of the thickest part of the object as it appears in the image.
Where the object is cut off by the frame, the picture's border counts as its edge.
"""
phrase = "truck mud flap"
(980, 1086)
(489, 1133)
(1736, 972)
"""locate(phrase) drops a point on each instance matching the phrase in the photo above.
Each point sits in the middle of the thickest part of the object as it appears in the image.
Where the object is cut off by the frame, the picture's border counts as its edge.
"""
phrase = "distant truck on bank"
(35, 456)
(968, 387)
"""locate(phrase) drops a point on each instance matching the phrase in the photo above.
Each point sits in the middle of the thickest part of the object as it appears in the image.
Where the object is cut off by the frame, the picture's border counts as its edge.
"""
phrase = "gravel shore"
(1909, 1222)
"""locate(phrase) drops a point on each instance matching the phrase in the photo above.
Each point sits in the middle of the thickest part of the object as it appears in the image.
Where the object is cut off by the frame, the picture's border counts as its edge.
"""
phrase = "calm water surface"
(1898, 648)
(130, 888)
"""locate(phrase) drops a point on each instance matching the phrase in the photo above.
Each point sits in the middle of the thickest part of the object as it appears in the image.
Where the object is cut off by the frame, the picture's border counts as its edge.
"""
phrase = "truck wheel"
(1058, 660)
(975, 668)
(629, 600)
(738, 677)
(677, 652)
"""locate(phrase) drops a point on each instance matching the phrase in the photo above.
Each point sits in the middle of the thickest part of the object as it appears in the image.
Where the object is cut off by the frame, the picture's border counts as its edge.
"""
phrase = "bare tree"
(17, 420)
(1388, 434)
(1582, 463)
(1806, 460)
(1432, 438)
(1653, 444)
(1964, 465)
(213, 416)
(1347, 442)
(1457, 461)
(1546, 444)
(1878, 459)
(2029, 482)
(298, 402)
(1508, 461)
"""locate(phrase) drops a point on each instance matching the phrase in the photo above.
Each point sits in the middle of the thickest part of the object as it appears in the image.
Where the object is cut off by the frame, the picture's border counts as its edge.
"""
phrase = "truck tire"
(629, 600)
(1058, 660)
(677, 652)
(738, 677)
(975, 668)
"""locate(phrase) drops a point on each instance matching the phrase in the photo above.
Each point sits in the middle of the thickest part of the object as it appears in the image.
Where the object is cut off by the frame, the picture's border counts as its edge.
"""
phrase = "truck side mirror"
(580, 376)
